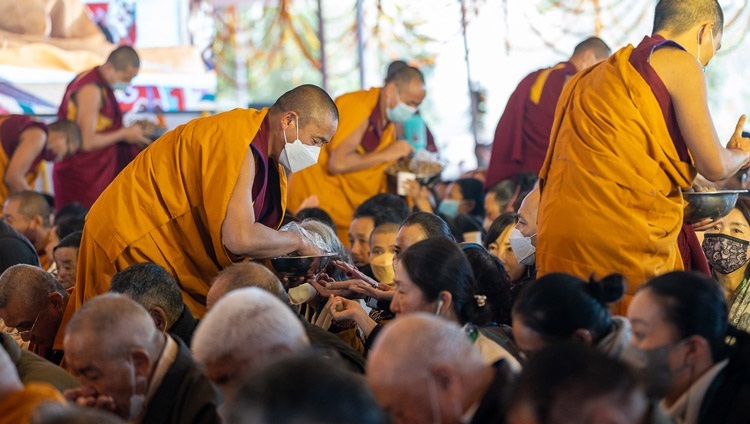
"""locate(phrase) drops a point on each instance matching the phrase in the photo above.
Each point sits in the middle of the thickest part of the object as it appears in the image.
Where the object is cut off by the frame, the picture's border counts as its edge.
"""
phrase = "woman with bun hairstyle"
(431, 276)
(560, 307)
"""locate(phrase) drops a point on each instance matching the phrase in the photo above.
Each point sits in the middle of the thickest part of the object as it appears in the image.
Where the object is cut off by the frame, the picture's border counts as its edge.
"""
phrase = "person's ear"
(160, 318)
(446, 298)
(583, 335)
(56, 300)
(444, 377)
(37, 220)
(141, 362)
(697, 347)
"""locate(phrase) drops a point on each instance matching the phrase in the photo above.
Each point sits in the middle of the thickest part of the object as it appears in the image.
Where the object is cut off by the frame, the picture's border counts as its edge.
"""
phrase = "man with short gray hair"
(222, 339)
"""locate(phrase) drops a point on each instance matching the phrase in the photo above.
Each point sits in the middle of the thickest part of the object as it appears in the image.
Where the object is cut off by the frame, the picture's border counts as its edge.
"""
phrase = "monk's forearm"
(732, 160)
(16, 183)
(353, 162)
(261, 242)
(97, 140)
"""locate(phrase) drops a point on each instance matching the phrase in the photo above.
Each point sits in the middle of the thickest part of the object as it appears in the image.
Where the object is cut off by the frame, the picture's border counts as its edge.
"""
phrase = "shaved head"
(596, 45)
(32, 203)
(311, 103)
(405, 75)
(124, 57)
(116, 324)
(678, 16)
(241, 275)
(71, 131)
(28, 285)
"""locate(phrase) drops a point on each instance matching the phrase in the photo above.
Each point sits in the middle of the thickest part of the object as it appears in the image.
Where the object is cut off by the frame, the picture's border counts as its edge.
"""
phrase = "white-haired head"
(245, 330)
(421, 364)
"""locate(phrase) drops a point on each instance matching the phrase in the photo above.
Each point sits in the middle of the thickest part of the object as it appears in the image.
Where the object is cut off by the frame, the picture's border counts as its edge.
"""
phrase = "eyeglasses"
(16, 333)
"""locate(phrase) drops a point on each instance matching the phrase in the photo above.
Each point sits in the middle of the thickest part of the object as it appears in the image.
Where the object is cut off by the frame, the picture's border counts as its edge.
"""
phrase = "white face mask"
(120, 86)
(401, 112)
(522, 247)
(297, 156)
(382, 268)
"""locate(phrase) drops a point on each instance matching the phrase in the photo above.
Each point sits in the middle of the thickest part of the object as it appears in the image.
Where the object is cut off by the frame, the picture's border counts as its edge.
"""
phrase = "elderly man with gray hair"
(245, 330)
(416, 383)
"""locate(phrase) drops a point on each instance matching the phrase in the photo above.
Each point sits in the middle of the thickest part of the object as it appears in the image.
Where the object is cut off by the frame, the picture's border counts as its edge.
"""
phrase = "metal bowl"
(301, 266)
(710, 204)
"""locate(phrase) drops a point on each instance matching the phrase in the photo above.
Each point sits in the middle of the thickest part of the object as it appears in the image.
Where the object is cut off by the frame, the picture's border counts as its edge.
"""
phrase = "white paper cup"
(401, 178)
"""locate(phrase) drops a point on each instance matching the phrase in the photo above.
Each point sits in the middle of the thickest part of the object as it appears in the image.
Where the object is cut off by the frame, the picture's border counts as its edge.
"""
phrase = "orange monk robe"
(340, 194)
(19, 407)
(168, 206)
(611, 198)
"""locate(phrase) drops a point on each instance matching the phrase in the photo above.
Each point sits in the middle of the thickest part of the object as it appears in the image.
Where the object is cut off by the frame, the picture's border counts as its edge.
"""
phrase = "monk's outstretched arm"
(29, 147)
(88, 100)
(345, 157)
(685, 81)
(243, 236)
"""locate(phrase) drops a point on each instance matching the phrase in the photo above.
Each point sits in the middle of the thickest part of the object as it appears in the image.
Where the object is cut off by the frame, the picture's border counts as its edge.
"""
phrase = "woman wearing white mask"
(497, 242)
(726, 247)
(690, 358)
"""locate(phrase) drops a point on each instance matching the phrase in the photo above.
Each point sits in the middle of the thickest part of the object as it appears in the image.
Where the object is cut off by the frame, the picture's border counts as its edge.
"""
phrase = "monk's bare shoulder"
(678, 69)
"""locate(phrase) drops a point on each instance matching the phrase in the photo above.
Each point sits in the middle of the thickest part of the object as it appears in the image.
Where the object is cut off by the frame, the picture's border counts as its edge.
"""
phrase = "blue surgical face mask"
(449, 208)
(401, 112)
(120, 86)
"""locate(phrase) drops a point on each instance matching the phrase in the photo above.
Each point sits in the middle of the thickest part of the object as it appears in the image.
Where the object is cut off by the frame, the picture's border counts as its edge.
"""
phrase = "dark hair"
(307, 388)
(498, 226)
(150, 285)
(556, 305)
(317, 214)
(694, 303)
(557, 380)
(680, 15)
(405, 75)
(472, 189)
(595, 44)
(123, 57)
(383, 208)
(394, 67)
(431, 224)
(437, 264)
(73, 209)
(490, 280)
(68, 225)
(465, 223)
(71, 240)
(513, 190)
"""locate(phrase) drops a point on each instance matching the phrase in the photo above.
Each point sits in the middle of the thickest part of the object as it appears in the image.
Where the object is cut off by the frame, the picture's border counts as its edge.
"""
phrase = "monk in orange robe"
(207, 194)
(522, 135)
(106, 145)
(24, 143)
(351, 167)
(629, 135)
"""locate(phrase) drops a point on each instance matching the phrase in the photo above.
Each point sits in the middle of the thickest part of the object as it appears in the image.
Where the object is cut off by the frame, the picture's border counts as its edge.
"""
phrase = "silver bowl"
(710, 204)
(301, 266)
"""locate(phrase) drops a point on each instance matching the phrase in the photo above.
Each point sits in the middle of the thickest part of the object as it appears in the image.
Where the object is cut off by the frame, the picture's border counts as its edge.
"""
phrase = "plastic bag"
(314, 238)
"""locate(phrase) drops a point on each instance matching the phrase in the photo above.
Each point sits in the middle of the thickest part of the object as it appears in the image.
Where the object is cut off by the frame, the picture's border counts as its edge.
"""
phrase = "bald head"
(596, 45)
(124, 57)
(27, 285)
(241, 275)
(311, 104)
(31, 204)
(528, 213)
(112, 323)
(679, 16)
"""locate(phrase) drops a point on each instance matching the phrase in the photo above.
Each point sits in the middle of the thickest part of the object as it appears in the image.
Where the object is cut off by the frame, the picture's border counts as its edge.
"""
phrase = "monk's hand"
(308, 248)
(398, 150)
(134, 135)
(381, 292)
(739, 142)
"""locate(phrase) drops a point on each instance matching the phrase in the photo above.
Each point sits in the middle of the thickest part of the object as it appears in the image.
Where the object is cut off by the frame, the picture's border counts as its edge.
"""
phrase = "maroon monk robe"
(11, 128)
(83, 176)
(522, 134)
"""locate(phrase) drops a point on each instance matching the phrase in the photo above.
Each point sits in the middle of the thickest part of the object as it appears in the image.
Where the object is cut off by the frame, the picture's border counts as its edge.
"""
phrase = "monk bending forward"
(628, 136)
(205, 195)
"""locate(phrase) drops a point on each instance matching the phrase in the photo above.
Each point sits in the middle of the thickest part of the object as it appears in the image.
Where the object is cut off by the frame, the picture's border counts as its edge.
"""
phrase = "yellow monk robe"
(168, 206)
(31, 176)
(611, 198)
(340, 194)
(19, 407)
